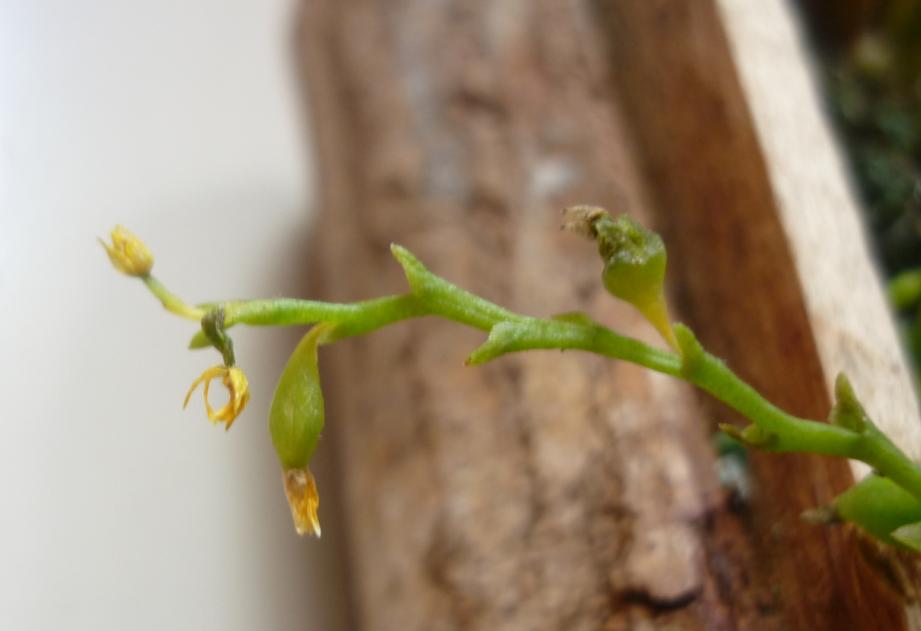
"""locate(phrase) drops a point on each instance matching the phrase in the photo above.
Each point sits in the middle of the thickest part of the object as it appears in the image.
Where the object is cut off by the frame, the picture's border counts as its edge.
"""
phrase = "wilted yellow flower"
(237, 386)
(304, 500)
(128, 253)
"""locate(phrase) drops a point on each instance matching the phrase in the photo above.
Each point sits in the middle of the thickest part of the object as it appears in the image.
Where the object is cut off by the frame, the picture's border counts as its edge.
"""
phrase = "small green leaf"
(752, 435)
(503, 338)
(417, 274)
(525, 334)
(199, 341)
(879, 506)
(847, 411)
(296, 417)
(689, 347)
(909, 536)
(756, 436)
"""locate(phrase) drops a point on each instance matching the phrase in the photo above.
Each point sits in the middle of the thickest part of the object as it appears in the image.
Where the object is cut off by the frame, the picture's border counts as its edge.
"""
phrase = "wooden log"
(786, 292)
(551, 491)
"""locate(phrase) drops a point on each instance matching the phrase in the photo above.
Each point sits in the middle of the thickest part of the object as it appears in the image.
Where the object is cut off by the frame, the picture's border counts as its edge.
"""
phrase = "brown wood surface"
(785, 266)
(548, 490)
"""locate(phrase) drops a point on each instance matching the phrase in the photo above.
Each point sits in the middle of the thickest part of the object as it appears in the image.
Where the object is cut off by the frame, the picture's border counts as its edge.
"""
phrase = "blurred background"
(184, 122)
(869, 55)
(455, 127)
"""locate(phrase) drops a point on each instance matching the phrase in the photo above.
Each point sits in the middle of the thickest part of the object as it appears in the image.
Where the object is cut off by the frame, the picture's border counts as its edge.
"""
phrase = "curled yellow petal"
(304, 500)
(237, 387)
(128, 253)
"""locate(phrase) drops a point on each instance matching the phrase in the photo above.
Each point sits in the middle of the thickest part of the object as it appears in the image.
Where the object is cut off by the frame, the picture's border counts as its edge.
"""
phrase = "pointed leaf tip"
(847, 411)
(909, 536)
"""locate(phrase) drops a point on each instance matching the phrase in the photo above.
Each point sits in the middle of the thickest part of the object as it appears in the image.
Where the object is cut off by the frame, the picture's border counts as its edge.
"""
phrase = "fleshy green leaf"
(879, 506)
(297, 414)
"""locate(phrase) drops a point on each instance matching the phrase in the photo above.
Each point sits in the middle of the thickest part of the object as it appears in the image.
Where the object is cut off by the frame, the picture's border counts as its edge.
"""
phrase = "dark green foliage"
(873, 85)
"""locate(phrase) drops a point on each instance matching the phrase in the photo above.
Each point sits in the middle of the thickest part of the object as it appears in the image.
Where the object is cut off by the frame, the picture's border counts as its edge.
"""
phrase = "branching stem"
(510, 332)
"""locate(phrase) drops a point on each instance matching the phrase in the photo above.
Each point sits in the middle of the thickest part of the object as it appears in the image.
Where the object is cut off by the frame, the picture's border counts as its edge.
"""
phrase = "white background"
(181, 120)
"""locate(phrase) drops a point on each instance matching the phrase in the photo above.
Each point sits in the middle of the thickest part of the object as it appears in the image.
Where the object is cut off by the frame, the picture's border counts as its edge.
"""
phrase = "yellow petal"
(236, 383)
(304, 500)
(237, 386)
(128, 253)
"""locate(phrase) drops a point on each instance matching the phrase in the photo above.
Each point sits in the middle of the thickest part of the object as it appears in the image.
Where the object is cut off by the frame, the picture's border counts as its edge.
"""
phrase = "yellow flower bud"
(304, 500)
(237, 386)
(128, 253)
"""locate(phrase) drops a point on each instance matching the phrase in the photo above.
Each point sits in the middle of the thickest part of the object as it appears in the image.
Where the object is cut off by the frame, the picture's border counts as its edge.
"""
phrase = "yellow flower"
(237, 385)
(304, 500)
(128, 253)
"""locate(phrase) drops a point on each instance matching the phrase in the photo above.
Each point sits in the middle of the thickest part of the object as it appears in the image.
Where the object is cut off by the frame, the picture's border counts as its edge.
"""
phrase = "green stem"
(511, 332)
(354, 318)
(880, 453)
(171, 301)
(549, 334)
(788, 433)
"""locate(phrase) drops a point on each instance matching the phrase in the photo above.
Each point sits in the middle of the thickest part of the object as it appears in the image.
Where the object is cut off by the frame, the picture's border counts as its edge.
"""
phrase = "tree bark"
(550, 490)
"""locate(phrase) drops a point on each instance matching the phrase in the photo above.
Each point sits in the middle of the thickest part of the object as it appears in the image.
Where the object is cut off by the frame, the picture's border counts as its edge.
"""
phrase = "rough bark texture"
(785, 292)
(552, 491)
